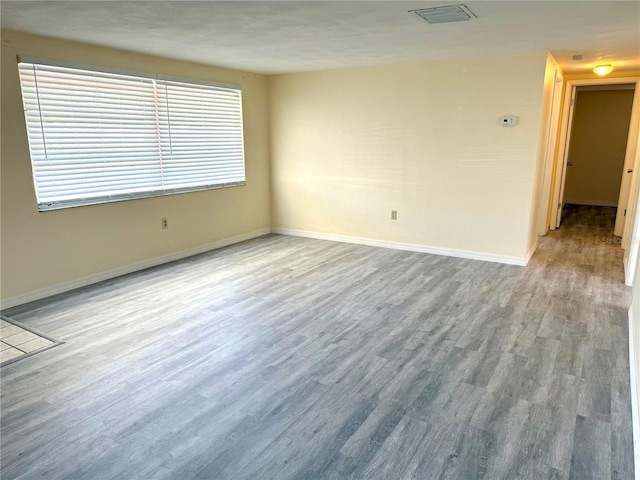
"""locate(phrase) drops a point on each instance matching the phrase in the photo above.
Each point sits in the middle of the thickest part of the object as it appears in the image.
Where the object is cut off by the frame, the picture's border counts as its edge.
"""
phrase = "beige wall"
(634, 311)
(598, 146)
(349, 146)
(346, 146)
(634, 333)
(635, 367)
(42, 250)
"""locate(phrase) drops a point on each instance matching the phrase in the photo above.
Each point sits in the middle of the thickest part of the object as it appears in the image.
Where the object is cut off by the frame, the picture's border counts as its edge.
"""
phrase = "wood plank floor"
(295, 358)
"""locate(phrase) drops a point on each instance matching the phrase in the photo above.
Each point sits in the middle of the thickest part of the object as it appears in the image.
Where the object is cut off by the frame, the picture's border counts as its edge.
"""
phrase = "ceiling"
(293, 36)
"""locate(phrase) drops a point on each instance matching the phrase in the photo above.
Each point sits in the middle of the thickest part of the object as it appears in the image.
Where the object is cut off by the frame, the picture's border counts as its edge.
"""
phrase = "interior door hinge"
(625, 213)
(571, 102)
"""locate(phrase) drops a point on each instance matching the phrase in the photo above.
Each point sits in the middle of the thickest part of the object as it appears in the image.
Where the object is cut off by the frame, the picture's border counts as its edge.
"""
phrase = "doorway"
(628, 179)
(597, 147)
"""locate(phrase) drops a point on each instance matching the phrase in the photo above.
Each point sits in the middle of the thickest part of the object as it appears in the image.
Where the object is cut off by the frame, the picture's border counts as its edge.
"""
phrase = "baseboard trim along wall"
(634, 397)
(487, 257)
(117, 272)
(530, 253)
(84, 281)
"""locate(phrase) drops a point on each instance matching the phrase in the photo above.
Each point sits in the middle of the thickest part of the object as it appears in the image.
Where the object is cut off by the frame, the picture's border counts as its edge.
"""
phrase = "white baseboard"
(84, 281)
(634, 398)
(116, 272)
(487, 257)
(593, 203)
(530, 253)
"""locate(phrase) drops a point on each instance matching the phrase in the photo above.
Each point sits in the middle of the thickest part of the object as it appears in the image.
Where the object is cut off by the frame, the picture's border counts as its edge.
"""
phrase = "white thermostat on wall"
(509, 121)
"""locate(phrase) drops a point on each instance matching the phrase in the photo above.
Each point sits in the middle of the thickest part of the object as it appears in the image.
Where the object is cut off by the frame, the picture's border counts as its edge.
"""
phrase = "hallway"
(585, 244)
(578, 272)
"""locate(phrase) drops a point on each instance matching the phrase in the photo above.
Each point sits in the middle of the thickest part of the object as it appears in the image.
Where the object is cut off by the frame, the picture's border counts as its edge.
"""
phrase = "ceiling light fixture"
(446, 14)
(603, 70)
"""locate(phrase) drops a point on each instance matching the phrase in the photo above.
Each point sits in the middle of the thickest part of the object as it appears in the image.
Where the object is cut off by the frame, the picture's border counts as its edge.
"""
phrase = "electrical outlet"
(394, 214)
(165, 223)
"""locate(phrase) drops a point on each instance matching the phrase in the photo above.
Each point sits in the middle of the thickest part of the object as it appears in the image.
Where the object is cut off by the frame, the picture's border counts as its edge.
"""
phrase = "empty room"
(319, 240)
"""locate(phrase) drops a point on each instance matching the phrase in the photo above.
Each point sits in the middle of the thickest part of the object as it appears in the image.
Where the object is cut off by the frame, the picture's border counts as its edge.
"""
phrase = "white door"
(565, 156)
(552, 141)
(623, 199)
(625, 187)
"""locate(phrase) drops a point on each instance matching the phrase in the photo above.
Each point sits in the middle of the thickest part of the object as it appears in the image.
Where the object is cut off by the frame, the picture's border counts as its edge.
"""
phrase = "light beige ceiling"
(280, 37)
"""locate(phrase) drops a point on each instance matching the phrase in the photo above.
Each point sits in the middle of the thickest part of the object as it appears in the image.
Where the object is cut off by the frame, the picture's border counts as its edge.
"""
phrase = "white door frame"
(629, 175)
(565, 133)
(563, 154)
(552, 142)
(631, 237)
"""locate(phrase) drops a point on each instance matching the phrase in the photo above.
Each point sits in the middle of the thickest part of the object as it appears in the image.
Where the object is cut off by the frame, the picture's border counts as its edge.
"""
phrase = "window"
(99, 136)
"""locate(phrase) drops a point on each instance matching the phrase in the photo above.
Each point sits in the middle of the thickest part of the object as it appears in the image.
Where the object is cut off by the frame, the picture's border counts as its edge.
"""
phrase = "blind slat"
(96, 136)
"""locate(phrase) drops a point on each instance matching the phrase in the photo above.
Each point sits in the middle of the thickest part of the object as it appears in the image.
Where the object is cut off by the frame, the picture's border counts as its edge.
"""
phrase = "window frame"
(47, 205)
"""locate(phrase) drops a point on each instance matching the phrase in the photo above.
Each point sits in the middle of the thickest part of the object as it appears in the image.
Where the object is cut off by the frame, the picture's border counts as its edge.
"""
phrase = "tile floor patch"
(10, 330)
(18, 338)
(34, 345)
(10, 354)
(17, 342)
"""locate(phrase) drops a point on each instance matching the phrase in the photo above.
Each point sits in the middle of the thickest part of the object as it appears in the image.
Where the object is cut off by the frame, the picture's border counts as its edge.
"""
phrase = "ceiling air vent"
(447, 14)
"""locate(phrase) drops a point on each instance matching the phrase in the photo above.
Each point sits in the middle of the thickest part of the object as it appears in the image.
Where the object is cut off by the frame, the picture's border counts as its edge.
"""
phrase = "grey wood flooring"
(295, 358)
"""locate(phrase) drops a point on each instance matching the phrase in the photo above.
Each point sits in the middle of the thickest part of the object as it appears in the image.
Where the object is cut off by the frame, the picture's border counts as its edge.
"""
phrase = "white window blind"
(98, 136)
